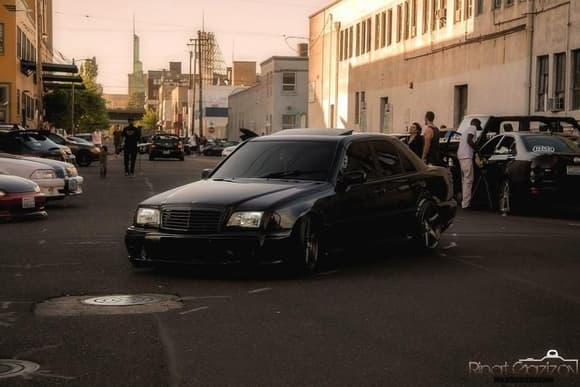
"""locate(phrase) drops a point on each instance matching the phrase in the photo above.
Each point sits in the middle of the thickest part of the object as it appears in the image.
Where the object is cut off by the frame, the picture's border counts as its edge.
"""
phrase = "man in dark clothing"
(131, 136)
(431, 146)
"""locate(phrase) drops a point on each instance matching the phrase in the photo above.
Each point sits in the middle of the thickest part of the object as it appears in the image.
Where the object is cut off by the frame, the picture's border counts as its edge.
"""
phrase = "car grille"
(191, 220)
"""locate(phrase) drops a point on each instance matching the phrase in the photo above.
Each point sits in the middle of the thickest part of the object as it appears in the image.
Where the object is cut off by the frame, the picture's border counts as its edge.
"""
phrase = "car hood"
(16, 184)
(22, 168)
(250, 193)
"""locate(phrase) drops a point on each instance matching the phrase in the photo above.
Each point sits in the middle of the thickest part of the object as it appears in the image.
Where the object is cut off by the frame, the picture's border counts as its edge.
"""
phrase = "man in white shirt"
(465, 156)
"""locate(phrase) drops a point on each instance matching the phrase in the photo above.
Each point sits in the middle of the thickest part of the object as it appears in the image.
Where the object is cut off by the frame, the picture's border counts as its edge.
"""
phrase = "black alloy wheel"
(309, 247)
(505, 197)
(83, 159)
(429, 228)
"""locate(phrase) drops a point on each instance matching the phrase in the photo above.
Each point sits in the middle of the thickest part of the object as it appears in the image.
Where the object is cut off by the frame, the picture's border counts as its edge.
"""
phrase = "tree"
(90, 109)
(149, 120)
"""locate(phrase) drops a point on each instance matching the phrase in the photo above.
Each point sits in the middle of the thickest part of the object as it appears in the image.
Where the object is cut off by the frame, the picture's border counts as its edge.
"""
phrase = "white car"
(56, 179)
(228, 150)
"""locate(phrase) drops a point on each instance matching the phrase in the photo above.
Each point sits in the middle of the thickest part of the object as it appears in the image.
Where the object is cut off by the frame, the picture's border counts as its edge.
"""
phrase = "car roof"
(313, 131)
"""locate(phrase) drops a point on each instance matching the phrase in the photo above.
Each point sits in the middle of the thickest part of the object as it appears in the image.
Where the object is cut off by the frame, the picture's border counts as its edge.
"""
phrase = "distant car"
(28, 143)
(166, 146)
(284, 198)
(85, 152)
(20, 197)
(144, 145)
(56, 179)
(216, 148)
(228, 150)
(85, 136)
(523, 166)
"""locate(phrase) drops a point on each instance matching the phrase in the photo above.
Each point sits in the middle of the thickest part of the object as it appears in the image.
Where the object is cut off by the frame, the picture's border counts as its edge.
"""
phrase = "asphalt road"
(499, 289)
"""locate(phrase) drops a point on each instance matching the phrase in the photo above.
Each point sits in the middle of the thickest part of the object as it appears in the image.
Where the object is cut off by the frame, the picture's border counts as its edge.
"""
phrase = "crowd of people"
(425, 144)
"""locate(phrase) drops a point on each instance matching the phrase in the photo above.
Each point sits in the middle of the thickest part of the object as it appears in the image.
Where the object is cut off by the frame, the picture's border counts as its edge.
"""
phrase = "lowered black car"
(288, 197)
(166, 146)
(521, 167)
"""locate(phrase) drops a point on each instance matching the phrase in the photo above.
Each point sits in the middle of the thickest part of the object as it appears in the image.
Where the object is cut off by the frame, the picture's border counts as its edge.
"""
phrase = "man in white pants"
(465, 156)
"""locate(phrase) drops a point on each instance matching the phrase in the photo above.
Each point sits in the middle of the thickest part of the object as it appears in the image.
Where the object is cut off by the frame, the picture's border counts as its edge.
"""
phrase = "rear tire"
(428, 231)
(505, 197)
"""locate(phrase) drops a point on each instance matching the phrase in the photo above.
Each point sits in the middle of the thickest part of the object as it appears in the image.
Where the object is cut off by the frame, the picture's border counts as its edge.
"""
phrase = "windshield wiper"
(292, 173)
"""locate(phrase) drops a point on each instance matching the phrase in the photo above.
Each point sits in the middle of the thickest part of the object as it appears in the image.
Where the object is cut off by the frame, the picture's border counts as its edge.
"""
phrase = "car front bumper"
(73, 186)
(52, 188)
(149, 246)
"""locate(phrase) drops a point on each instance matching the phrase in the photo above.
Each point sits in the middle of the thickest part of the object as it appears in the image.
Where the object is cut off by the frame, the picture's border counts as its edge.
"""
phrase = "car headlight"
(2, 193)
(71, 170)
(147, 217)
(43, 174)
(247, 219)
(36, 188)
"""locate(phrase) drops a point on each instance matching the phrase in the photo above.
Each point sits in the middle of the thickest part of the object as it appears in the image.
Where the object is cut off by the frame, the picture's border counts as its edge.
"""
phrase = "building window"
(363, 37)
(413, 18)
(468, 9)
(576, 80)
(369, 33)
(399, 22)
(18, 43)
(390, 27)
(1, 38)
(4, 102)
(434, 12)
(425, 16)
(288, 81)
(442, 13)
(509, 3)
(341, 46)
(356, 108)
(479, 9)
(542, 87)
(350, 37)
(357, 50)
(560, 79)
(496, 4)
(406, 21)
(383, 29)
(457, 14)
(288, 121)
(377, 31)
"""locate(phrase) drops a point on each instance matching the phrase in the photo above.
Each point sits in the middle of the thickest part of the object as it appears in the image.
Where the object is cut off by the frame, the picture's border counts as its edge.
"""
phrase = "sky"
(251, 30)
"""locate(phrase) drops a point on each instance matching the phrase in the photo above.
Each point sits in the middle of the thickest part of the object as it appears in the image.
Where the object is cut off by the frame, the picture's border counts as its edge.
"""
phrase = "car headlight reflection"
(2, 193)
(147, 217)
(247, 219)
(72, 171)
(43, 174)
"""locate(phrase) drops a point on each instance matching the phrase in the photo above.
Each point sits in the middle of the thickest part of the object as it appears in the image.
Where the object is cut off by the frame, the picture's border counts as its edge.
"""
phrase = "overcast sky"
(246, 30)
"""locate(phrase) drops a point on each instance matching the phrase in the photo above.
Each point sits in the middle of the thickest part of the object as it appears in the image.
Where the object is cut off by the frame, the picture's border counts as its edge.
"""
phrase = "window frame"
(542, 81)
(286, 85)
(2, 38)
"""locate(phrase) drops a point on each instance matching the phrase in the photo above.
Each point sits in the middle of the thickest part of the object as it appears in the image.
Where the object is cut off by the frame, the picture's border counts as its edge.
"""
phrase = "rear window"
(166, 138)
(549, 144)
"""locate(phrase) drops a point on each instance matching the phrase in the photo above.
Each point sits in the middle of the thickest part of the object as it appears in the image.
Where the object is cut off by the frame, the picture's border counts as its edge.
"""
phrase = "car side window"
(489, 147)
(360, 158)
(506, 145)
(388, 158)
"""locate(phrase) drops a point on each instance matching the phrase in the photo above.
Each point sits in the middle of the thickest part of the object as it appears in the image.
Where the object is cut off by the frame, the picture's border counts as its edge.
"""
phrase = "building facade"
(378, 65)
(25, 35)
(278, 101)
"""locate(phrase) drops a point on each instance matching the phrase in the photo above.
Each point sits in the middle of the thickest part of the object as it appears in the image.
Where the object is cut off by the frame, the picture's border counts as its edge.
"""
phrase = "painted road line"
(261, 290)
(191, 298)
(195, 310)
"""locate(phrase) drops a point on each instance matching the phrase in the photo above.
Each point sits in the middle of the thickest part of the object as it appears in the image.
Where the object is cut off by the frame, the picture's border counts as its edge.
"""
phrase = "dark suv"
(166, 146)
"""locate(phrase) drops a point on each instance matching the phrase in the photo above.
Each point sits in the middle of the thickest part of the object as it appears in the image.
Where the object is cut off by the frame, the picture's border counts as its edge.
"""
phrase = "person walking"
(103, 161)
(117, 138)
(415, 140)
(131, 136)
(465, 154)
(430, 154)
(97, 138)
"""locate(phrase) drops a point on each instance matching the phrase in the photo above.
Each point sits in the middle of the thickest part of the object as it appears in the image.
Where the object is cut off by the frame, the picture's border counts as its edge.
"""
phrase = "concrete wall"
(488, 52)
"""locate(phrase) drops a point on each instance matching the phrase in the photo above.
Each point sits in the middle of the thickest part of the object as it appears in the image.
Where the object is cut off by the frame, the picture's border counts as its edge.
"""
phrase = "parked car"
(56, 179)
(24, 142)
(523, 166)
(20, 197)
(166, 146)
(228, 150)
(85, 136)
(85, 152)
(144, 145)
(284, 197)
(216, 148)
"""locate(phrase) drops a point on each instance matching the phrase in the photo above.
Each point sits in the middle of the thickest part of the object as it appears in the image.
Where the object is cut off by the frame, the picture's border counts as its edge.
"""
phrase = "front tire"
(309, 249)
(504, 200)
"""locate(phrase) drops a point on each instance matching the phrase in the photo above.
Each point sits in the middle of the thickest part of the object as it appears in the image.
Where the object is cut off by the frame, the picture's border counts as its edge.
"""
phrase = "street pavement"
(498, 289)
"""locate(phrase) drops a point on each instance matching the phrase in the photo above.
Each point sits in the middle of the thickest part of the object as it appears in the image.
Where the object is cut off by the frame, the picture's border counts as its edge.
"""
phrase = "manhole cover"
(123, 300)
(111, 304)
(10, 368)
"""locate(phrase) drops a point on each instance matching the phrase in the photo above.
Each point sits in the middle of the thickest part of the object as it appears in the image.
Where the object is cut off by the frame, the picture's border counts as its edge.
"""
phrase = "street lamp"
(72, 127)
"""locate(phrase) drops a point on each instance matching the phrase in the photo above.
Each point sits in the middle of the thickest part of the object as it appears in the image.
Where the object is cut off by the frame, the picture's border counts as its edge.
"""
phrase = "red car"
(19, 198)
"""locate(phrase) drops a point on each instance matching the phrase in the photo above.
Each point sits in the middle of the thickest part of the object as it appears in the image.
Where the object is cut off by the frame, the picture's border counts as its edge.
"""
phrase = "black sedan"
(290, 197)
(216, 148)
(166, 146)
(521, 167)
(84, 152)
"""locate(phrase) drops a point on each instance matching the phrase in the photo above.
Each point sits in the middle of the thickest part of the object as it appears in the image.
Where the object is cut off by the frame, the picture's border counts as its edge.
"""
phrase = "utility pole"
(190, 95)
(39, 81)
(199, 43)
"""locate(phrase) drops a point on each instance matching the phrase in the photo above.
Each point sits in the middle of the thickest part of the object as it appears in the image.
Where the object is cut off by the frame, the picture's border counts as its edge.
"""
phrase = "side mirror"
(206, 172)
(351, 178)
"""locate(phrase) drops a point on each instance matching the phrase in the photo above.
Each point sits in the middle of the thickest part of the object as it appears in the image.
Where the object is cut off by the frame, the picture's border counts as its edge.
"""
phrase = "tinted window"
(548, 144)
(360, 158)
(166, 138)
(280, 159)
(489, 146)
(388, 158)
(506, 145)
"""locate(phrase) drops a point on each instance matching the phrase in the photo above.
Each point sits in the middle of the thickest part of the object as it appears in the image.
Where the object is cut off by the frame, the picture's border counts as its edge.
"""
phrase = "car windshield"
(299, 160)
(549, 144)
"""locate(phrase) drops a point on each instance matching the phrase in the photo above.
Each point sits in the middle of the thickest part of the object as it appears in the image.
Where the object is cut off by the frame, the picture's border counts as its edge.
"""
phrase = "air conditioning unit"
(556, 104)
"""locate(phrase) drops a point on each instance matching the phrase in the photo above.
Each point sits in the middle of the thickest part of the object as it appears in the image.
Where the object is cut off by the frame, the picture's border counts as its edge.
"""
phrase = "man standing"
(131, 136)
(431, 141)
(465, 155)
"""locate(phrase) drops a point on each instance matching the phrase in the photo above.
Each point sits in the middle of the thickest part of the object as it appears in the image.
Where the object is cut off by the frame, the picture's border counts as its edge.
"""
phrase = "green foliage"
(149, 120)
(90, 110)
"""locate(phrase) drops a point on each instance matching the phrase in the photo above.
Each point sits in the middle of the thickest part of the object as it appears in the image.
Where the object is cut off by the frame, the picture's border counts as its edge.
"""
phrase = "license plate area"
(573, 170)
(28, 202)
(166, 152)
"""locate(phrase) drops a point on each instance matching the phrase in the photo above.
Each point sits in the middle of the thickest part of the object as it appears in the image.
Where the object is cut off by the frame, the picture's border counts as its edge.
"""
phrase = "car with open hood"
(289, 197)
